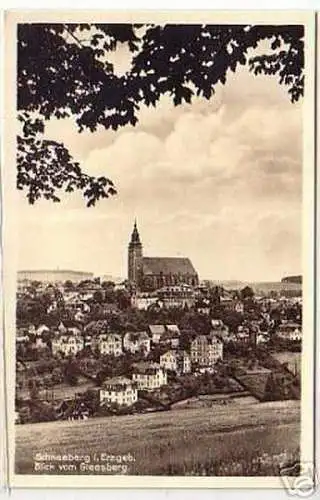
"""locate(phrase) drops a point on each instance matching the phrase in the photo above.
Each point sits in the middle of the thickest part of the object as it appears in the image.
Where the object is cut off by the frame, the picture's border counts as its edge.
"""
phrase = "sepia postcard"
(158, 249)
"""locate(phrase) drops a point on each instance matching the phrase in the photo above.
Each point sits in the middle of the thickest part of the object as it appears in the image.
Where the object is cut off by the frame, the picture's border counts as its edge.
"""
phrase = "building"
(177, 296)
(136, 342)
(149, 376)
(290, 331)
(153, 273)
(176, 361)
(67, 344)
(110, 344)
(54, 276)
(171, 336)
(231, 304)
(206, 350)
(118, 390)
(156, 332)
(144, 301)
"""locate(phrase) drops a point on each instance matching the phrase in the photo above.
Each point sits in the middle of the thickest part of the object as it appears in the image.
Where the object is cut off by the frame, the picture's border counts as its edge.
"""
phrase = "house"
(176, 361)
(238, 306)
(262, 338)
(143, 301)
(110, 344)
(41, 329)
(40, 344)
(22, 339)
(149, 376)
(119, 390)
(170, 339)
(171, 336)
(79, 315)
(243, 334)
(156, 332)
(203, 306)
(62, 328)
(88, 341)
(52, 307)
(290, 331)
(206, 350)
(67, 344)
(177, 296)
(73, 409)
(231, 304)
(109, 309)
(136, 342)
(205, 369)
(120, 286)
(73, 330)
(173, 329)
(217, 323)
(32, 330)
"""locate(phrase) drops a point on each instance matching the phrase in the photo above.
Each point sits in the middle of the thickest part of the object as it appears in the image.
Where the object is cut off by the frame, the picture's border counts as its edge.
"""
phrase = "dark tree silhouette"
(63, 71)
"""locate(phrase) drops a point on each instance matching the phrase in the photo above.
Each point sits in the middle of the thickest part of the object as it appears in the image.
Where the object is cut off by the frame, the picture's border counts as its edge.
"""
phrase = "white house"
(42, 329)
(149, 376)
(67, 344)
(176, 361)
(119, 390)
(290, 331)
(110, 344)
(136, 342)
(262, 338)
(206, 350)
(143, 301)
(79, 315)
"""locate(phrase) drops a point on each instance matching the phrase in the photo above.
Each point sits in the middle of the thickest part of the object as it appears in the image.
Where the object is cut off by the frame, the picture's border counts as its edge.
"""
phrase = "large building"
(152, 273)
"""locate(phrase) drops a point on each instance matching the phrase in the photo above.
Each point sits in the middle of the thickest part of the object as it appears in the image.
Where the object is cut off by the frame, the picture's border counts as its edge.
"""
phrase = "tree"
(63, 72)
(68, 285)
(246, 293)
(232, 320)
(98, 296)
(71, 372)
(57, 376)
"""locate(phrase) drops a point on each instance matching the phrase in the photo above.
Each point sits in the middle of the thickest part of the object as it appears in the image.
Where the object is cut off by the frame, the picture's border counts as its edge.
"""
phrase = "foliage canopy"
(64, 71)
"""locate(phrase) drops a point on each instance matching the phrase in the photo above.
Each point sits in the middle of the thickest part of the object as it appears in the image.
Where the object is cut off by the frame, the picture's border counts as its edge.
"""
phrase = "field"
(292, 358)
(202, 441)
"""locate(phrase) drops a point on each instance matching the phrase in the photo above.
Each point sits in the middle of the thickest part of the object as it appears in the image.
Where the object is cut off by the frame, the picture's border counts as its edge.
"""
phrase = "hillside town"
(161, 338)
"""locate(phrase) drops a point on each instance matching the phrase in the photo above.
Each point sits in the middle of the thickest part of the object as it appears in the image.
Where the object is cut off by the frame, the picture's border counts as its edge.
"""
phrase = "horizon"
(106, 274)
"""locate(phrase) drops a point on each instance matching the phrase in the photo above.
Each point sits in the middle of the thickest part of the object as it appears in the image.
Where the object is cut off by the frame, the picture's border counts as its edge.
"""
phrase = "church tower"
(134, 256)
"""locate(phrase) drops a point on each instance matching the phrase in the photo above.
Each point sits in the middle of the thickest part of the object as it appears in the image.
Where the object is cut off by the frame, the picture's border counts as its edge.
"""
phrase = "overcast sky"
(217, 181)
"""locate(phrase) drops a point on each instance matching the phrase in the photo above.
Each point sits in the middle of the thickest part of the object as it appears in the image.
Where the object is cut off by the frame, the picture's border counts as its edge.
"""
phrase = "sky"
(217, 181)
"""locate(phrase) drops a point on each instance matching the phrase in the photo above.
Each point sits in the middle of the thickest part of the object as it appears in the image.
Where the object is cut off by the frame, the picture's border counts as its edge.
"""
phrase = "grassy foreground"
(244, 440)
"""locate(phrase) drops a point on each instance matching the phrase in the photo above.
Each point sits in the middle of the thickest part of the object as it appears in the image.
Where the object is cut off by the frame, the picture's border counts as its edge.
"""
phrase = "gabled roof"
(176, 353)
(112, 337)
(157, 329)
(173, 329)
(117, 382)
(145, 367)
(167, 265)
(136, 336)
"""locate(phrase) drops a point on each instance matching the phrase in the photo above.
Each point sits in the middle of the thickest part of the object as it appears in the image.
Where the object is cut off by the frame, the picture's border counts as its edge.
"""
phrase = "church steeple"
(134, 255)
(135, 237)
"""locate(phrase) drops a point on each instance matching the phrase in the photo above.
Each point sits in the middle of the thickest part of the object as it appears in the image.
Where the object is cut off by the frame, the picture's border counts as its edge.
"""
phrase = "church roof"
(168, 265)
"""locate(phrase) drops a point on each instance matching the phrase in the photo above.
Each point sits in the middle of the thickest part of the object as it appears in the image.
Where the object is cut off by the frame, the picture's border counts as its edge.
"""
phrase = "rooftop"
(168, 265)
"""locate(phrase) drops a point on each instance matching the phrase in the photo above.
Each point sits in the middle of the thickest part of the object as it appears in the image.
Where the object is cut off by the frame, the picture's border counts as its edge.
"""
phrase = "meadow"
(292, 358)
(245, 440)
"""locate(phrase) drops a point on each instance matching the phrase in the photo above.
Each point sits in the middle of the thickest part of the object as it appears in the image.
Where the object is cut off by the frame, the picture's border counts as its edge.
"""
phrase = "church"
(152, 273)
